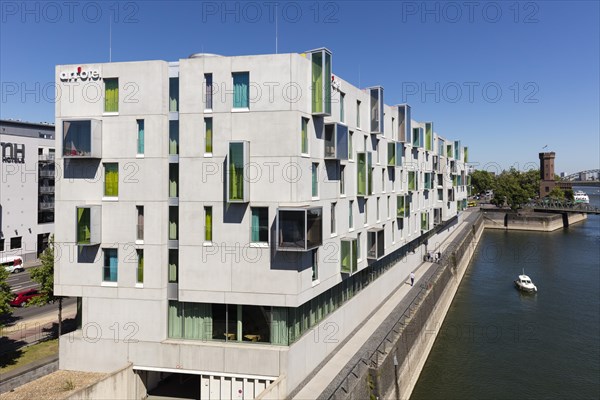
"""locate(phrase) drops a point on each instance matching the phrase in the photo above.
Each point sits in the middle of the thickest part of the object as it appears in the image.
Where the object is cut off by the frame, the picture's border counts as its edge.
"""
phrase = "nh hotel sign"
(81, 74)
(13, 153)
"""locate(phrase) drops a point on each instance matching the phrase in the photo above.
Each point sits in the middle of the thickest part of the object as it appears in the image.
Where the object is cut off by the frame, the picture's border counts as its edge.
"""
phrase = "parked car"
(12, 264)
(23, 297)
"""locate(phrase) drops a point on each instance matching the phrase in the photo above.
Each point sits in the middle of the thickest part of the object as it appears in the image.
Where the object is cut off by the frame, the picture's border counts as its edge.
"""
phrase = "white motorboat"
(525, 284)
(581, 197)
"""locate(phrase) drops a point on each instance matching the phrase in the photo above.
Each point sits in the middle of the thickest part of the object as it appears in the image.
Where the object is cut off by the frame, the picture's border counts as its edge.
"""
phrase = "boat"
(581, 197)
(524, 283)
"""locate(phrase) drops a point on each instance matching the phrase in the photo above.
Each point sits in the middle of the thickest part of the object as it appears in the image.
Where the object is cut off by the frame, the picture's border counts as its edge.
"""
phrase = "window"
(342, 180)
(315, 180)
(1, 244)
(321, 82)
(173, 94)
(111, 265)
(173, 223)
(140, 136)
(83, 226)
(260, 225)
(333, 224)
(299, 229)
(366, 212)
(208, 135)
(342, 111)
(241, 80)
(383, 180)
(378, 215)
(237, 183)
(140, 223)
(393, 231)
(351, 215)
(357, 113)
(208, 236)
(16, 242)
(389, 207)
(315, 265)
(173, 180)
(358, 247)
(173, 137)
(173, 265)
(111, 95)
(304, 136)
(140, 266)
(377, 150)
(111, 179)
(348, 256)
(351, 146)
(208, 91)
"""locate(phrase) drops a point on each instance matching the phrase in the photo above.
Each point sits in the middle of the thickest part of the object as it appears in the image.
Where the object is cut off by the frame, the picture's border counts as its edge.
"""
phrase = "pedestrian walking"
(412, 279)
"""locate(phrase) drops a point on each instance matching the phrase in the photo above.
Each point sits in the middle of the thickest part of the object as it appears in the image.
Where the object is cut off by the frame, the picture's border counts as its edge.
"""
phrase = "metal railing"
(46, 189)
(47, 173)
(46, 206)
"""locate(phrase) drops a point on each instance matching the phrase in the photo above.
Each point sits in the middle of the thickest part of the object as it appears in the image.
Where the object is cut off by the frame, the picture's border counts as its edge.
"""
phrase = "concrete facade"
(27, 188)
(177, 175)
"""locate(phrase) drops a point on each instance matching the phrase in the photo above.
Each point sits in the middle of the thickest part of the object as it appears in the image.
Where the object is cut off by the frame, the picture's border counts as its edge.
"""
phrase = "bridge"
(562, 206)
(575, 178)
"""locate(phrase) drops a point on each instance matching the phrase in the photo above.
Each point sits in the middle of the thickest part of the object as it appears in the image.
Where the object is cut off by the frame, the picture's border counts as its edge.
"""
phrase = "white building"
(217, 213)
(26, 188)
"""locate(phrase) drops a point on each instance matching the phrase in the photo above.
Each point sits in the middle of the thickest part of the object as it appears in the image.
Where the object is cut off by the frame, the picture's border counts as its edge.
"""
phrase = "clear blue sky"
(447, 59)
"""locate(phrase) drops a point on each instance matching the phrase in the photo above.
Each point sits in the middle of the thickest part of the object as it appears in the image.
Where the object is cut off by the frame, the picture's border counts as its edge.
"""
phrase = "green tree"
(5, 294)
(569, 195)
(482, 181)
(512, 188)
(44, 275)
(557, 193)
(530, 181)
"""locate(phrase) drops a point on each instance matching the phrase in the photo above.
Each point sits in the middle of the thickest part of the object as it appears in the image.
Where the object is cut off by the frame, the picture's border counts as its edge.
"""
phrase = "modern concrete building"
(26, 189)
(235, 218)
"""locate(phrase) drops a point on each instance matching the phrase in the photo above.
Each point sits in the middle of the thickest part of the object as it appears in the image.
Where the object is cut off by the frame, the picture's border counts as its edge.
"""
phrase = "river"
(497, 343)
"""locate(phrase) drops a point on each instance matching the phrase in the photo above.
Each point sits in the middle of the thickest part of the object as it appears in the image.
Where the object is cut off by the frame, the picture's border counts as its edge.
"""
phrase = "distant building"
(27, 188)
(547, 181)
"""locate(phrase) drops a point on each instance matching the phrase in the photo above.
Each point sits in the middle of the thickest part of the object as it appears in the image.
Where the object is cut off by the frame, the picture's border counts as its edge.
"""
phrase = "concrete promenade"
(325, 380)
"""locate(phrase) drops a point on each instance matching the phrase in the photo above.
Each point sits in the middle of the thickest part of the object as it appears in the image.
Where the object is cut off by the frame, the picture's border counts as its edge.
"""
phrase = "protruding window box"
(466, 154)
(428, 181)
(404, 124)
(89, 225)
(82, 138)
(375, 243)
(428, 136)
(364, 175)
(321, 81)
(457, 148)
(424, 222)
(417, 137)
(336, 142)
(238, 188)
(299, 229)
(413, 183)
(376, 109)
(449, 151)
(391, 162)
(399, 154)
(402, 206)
(349, 255)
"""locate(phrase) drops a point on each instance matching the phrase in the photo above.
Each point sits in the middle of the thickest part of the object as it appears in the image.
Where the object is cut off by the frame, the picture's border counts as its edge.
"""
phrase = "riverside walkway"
(331, 374)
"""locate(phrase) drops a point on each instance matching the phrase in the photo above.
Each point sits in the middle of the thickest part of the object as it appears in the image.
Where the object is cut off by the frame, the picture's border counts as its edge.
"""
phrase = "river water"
(497, 343)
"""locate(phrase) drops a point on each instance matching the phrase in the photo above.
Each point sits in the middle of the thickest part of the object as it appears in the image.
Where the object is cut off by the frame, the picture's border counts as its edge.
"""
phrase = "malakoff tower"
(217, 214)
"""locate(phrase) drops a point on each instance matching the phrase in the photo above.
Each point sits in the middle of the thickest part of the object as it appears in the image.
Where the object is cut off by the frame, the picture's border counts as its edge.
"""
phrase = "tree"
(569, 195)
(44, 275)
(5, 294)
(482, 181)
(513, 188)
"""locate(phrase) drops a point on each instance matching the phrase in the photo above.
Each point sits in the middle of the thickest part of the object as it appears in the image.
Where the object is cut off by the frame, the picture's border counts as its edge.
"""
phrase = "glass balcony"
(238, 188)
(402, 206)
(376, 109)
(375, 243)
(82, 139)
(89, 225)
(404, 125)
(321, 81)
(429, 136)
(299, 229)
(349, 256)
(336, 142)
